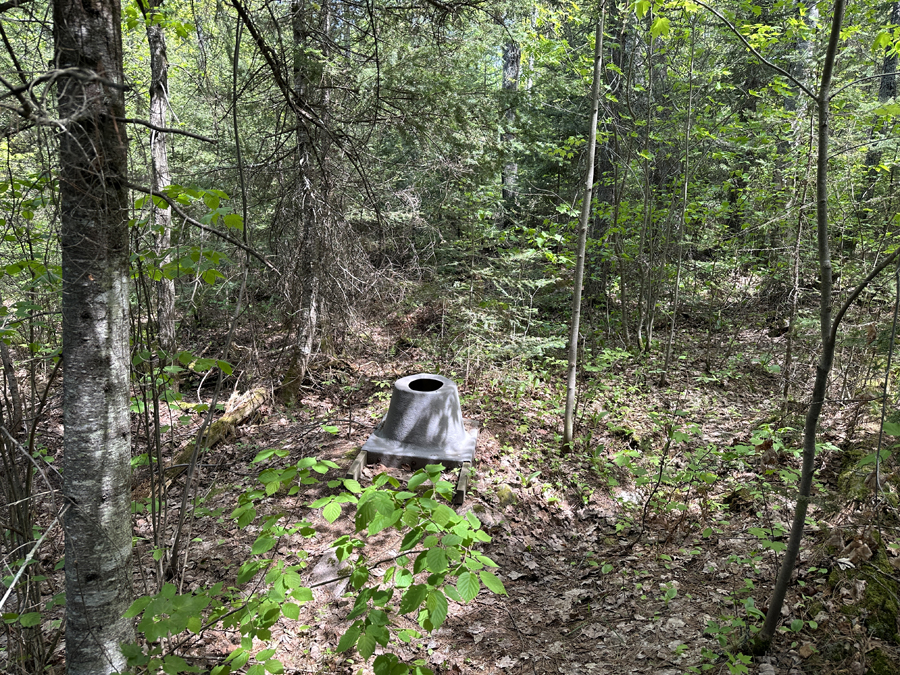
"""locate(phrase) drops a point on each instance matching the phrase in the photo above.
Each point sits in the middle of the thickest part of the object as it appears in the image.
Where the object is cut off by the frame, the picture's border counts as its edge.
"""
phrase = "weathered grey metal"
(423, 425)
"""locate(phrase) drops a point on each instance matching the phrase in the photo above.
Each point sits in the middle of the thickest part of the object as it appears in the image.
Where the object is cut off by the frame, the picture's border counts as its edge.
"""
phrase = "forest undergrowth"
(651, 547)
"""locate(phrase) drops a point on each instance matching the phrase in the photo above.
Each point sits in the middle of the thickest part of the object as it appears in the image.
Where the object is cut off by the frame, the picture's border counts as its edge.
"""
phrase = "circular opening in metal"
(425, 384)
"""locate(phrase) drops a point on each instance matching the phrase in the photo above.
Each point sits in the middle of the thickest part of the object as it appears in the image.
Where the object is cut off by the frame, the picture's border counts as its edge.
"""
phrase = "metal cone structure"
(423, 425)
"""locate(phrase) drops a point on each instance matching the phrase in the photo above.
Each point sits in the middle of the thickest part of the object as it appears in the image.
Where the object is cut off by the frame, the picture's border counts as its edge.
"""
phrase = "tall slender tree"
(97, 445)
(159, 169)
(569, 422)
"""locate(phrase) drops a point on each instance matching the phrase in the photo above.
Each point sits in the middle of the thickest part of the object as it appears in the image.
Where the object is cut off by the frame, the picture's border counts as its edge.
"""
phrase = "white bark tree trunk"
(94, 235)
(569, 420)
(160, 178)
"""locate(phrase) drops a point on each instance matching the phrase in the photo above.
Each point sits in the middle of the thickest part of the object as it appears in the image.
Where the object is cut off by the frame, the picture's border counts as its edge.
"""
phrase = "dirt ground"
(603, 576)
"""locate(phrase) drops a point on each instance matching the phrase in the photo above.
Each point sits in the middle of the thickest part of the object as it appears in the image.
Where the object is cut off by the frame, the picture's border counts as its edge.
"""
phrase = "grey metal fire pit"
(423, 425)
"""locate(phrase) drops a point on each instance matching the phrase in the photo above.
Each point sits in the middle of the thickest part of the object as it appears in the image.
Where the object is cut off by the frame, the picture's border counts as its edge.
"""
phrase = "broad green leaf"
(437, 608)
(263, 544)
(30, 619)
(492, 582)
(331, 512)
(389, 664)
(352, 485)
(366, 646)
(468, 586)
(416, 480)
(888, 110)
(451, 592)
(413, 598)
(660, 27)
(411, 538)
(234, 221)
(443, 514)
(349, 638)
(211, 201)
(436, 560)
(892, 428)
(137, 607)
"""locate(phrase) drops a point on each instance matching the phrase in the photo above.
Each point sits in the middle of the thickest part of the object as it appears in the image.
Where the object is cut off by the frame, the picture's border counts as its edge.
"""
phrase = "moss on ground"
(881, 663)
(879, 608)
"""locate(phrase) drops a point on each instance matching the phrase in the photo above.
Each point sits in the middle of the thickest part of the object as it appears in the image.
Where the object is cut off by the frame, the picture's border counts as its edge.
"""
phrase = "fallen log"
(237, 410)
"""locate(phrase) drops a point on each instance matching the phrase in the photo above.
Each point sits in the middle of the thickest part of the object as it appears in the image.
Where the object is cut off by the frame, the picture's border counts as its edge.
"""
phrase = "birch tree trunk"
(94, 236)
(512, 62)
(569, 422)
(160, 177)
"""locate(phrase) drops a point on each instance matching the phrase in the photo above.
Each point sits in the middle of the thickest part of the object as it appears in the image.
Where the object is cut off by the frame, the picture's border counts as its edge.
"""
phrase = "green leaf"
(331, 429)
(389, 664)
(349, 638)
(659, 27)
(372, 502)
(210, 276)
(331, 512)
(492, 582)
(30, 619)
(468, 586)
(417, 479)
(137, 607)
(888, 110)
(641, 7)
(437, 608)
(436, 560)
(274, 666)
(211, 201)
(302, 594)
(291, 611)
(234, 221)
(882, 41)
(352, 485)
(443, 514)
(453, 594)
(413, 598)
(411, 538)
(892, 428)
(262, 544)
(366, 646)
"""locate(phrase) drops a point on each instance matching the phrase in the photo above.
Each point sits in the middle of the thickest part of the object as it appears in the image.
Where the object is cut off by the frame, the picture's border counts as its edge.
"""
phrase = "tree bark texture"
(828, 330)
(311, 190)
(94, 237)
(160, 178)
(512, 67)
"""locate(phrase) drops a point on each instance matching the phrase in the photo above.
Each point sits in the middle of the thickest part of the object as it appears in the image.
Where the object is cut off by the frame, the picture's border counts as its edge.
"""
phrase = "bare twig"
(165, 130)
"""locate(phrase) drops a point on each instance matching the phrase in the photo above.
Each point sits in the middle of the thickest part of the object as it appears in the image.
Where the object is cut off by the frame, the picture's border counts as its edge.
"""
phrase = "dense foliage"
(330, 161)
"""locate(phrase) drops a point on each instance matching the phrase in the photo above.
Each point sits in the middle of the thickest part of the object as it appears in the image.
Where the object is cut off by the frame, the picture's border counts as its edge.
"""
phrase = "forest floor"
(650, 549)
